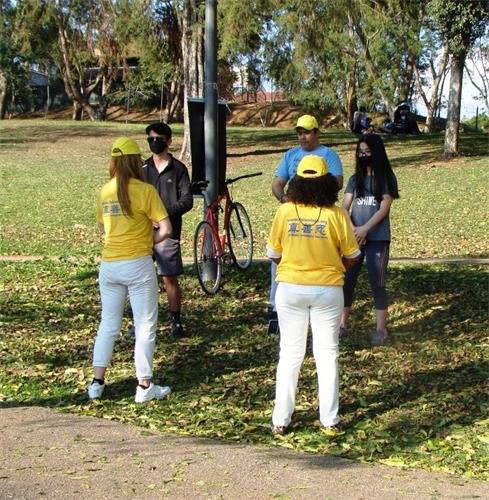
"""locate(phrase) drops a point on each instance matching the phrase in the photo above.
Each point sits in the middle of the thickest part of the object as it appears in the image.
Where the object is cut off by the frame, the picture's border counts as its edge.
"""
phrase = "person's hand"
(360, 234)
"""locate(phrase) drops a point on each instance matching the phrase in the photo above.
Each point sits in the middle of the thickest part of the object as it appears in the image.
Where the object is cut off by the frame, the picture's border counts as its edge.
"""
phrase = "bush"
(482, 122)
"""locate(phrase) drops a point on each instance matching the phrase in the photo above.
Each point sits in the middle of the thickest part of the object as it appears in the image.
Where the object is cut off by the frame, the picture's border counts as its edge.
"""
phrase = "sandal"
(278, 430)
(338, 427)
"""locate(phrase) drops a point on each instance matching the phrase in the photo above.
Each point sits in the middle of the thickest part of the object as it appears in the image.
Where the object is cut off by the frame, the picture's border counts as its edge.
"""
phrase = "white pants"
(296, 305)
(117, 279)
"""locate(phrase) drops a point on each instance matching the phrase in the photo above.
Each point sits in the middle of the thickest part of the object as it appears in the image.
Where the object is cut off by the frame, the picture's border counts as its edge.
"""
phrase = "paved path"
(468, 261)
(45, 454)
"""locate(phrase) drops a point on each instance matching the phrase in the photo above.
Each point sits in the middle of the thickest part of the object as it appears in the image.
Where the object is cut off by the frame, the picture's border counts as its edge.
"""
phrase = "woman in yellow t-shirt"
(313, 243)
(127, 210)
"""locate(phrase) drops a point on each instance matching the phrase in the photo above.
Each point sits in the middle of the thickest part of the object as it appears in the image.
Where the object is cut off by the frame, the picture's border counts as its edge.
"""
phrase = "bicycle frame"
(213, 208)
(212, 217)
(211, 245)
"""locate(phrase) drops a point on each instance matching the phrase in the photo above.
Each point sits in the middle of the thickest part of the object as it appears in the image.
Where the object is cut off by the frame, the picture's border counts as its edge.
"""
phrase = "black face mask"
(365, 161)
(157, 145)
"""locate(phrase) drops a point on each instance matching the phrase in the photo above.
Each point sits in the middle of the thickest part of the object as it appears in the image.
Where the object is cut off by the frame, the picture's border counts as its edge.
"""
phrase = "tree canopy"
(327, 56)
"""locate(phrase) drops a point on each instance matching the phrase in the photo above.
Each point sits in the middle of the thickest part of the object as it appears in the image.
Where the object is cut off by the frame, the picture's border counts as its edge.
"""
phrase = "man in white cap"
(307, 129)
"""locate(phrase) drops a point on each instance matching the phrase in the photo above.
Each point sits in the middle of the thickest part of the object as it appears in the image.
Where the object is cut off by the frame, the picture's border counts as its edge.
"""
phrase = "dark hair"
(381, 167)
(159, 128)
(317, 191)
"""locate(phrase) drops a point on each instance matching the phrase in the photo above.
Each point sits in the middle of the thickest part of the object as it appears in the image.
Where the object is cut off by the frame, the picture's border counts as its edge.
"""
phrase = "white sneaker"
(95, 390)
(152, 392)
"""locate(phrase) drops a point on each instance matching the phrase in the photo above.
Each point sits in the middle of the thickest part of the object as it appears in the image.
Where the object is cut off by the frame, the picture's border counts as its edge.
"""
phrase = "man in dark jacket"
(170, 178)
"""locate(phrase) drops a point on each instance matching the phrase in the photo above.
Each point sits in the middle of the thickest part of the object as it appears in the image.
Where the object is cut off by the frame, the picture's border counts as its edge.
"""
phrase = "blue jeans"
(377, 256)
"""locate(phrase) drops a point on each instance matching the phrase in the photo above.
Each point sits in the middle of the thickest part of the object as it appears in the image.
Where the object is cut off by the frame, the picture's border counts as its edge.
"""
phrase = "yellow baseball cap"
(125, 146)
(307, 122)
(312, 166)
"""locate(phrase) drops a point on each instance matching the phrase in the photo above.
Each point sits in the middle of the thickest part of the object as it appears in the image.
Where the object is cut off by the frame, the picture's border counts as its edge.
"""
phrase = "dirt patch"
(279, 114)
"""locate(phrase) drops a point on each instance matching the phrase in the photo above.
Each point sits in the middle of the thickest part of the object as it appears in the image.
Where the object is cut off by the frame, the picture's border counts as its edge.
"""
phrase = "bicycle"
(210, 244)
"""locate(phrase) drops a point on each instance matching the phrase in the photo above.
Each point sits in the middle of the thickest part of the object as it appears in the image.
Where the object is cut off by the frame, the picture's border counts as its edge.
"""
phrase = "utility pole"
(210, 101)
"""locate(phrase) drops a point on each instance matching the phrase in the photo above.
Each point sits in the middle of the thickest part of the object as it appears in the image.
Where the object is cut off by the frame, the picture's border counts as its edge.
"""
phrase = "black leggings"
(377, 254)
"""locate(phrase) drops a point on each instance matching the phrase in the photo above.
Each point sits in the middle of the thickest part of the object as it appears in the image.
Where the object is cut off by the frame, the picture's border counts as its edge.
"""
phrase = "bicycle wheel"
(207, 261)
(240, 236)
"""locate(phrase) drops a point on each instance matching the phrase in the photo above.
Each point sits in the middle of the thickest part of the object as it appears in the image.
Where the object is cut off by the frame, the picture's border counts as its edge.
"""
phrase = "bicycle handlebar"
(201, 185)
(230, 181)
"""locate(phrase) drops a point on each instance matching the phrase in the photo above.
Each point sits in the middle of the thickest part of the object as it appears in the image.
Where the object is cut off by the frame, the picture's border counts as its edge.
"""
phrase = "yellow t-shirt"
(129, 237)
(311, 241)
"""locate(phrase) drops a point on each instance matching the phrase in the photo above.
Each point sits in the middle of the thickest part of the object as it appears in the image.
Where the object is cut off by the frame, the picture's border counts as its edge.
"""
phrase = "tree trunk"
(406, 85)
(174, 97)
(77, 111)
(450, 148)
(3, 95)
(351, 95)
(351, 104)
(192, 34)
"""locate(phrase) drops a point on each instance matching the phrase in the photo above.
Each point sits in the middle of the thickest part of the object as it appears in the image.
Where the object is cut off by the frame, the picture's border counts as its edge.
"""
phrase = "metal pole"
(210, 101)
(477, 118)
(210, 122)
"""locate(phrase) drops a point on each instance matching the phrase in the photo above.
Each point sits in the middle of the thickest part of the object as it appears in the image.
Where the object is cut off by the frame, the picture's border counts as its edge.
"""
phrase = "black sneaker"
(379, 338)
(177, 331)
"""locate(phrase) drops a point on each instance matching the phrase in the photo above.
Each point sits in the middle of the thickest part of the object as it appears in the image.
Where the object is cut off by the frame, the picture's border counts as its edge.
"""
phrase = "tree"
(478, 73)
(460, 24)
(158, 41)
(388, 33)
(191, 21)
(14, 74)
(432, 61)
(88, 44)
(331, 54)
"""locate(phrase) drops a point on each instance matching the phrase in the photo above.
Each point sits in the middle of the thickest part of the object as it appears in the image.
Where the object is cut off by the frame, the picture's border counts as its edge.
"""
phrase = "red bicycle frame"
(212, 217)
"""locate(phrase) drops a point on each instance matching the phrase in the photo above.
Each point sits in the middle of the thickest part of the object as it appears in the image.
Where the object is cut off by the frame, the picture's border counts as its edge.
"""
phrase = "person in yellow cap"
(312, 242)
(307, 129)
(132, 218)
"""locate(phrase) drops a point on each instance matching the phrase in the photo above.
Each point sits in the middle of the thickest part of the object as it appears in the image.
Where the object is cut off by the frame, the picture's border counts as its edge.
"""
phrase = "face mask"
(365, 161)
(157, 145)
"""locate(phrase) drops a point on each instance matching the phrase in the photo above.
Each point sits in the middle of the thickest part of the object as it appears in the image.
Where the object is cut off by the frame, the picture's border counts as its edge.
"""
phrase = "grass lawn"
(422, 401)
(51, 170)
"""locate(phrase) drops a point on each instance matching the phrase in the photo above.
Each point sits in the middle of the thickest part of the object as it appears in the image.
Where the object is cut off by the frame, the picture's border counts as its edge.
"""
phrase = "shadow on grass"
(431, 376)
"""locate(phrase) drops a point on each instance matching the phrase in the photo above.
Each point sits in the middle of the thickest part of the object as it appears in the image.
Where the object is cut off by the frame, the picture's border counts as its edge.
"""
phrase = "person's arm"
(278, 187)
(335, 167)
(382, 212)
(350, 261)
(164, 230)
(347, 201)
(274, 243)
(348, 244)
(186, 200)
